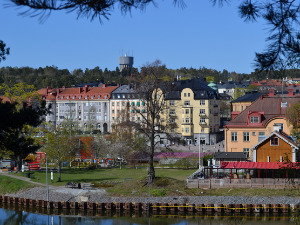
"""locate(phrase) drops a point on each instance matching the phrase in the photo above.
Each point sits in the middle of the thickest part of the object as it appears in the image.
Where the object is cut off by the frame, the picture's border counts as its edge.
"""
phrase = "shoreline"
(62, 194)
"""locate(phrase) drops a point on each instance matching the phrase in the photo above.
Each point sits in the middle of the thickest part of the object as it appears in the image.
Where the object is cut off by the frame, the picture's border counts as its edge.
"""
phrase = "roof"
(198, 86)
(248, 97)
(282, 136)
(77, 93)
(259, 165)
(162, 155)
(269, 106)
(231, 155)
(124, 89)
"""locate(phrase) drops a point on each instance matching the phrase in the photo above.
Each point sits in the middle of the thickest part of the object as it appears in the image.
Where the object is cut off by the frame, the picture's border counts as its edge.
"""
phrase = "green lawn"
(11, 185)
(133, 182)
(107, 175)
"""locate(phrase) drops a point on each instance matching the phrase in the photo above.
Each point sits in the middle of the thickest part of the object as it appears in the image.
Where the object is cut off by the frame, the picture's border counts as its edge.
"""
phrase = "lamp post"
(200, 150)
(47, 186)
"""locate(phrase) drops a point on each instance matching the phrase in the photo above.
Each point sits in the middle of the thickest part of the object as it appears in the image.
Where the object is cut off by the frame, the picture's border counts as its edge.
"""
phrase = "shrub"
(158, 192)
(162, 182)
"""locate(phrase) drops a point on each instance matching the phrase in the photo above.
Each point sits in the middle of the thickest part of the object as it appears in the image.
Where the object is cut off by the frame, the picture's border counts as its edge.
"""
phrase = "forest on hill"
(54, 77)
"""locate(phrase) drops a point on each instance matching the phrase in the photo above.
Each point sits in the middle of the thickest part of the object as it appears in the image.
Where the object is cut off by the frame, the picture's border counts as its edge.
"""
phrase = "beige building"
(193, 109)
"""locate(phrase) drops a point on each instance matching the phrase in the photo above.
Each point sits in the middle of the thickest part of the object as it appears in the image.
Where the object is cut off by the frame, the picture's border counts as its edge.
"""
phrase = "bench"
(87, 186)
(73, 185)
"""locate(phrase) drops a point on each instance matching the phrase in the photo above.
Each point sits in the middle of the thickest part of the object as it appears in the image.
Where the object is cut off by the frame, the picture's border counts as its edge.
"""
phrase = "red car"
(34, 166)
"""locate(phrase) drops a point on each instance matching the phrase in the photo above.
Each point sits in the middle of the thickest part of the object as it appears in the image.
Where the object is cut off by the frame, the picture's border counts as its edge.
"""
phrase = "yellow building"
(258, 121)
(192, 112)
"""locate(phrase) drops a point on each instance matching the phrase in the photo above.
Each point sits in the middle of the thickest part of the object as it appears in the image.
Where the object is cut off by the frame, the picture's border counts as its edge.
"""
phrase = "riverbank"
(78, 195)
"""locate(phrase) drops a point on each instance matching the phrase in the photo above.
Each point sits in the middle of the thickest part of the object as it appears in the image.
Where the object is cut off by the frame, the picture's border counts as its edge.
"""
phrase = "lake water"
(13, 215)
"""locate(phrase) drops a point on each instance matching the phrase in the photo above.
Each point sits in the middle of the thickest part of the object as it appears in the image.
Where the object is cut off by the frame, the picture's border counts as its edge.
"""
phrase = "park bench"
(73, 185)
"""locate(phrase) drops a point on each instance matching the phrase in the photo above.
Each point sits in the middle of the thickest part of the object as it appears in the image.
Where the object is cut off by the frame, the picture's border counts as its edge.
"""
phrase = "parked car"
(7, 163)
(34, 166)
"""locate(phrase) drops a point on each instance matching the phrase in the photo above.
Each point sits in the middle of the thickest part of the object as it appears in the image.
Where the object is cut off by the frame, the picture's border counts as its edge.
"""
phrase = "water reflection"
(16, 215)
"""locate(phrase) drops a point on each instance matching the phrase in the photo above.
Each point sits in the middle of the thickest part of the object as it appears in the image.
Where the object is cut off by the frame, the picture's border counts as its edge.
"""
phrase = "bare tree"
(151, 88)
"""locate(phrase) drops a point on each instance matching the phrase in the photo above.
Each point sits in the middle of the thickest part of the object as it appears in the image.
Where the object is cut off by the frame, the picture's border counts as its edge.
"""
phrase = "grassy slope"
(11, 185)
(132, 182)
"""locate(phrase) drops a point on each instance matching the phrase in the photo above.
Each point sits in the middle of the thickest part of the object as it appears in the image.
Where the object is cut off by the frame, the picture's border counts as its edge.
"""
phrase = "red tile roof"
(269, 106)
(259, 165)
(77, 93)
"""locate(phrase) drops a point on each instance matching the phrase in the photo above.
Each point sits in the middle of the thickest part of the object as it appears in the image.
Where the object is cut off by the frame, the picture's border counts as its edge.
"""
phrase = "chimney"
(290, 92)
(104, 86)
(86, 87)
(79, 90)
(271, 92)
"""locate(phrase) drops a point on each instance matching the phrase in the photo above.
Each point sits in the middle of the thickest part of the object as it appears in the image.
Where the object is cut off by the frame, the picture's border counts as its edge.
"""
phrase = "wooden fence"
(243, 183)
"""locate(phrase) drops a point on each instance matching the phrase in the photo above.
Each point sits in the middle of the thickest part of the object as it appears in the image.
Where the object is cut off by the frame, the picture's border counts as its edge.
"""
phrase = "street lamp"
(200, 148)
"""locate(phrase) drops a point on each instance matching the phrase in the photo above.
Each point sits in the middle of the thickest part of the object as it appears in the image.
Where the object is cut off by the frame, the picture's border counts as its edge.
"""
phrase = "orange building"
(258, 120)
(277, 147)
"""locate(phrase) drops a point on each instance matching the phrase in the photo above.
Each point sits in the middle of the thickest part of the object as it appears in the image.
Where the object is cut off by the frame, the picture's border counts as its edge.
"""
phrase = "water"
(15, 215)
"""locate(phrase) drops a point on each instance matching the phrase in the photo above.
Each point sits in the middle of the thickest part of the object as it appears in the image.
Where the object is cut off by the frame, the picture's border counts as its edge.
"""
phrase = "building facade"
(193, 109)
(258, 121)
(126, 105)
(86, 108)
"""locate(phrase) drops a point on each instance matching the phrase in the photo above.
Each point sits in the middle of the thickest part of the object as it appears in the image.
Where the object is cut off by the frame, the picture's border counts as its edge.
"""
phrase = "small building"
(220, 157)
(277, 147)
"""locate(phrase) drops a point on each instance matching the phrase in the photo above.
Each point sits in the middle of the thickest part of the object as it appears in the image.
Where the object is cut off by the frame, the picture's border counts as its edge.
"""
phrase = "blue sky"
(200, 35)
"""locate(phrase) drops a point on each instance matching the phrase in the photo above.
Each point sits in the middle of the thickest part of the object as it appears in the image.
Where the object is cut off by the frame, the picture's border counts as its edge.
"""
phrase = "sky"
(199, 35)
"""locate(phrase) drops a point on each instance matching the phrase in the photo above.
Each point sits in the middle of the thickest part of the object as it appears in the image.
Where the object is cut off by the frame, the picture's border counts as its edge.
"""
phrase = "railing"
(271, 183)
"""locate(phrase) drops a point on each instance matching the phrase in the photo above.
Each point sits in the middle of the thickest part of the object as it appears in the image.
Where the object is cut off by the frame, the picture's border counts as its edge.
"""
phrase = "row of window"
(246, 137)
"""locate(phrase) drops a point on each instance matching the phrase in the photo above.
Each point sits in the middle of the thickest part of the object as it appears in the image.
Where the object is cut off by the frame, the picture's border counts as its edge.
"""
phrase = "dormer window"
(254, 119)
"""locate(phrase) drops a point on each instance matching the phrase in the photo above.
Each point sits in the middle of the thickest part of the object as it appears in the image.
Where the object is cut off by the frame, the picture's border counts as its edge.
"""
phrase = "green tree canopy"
(15, 130)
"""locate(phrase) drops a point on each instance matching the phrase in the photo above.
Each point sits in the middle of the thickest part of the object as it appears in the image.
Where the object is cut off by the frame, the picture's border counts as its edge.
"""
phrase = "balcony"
(202, 114)
(215, 105)
(203, 123)
(215, 114)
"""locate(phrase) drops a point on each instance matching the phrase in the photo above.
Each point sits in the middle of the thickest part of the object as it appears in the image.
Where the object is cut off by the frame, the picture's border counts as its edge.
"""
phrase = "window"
(162, 120)
(202, 111)
(253, 133)
(172, 120)
(261, 136)
(118, 103)
(202, 121)
(172, 112)
(186, 103)
(202, 130)
(233, 136)
(189, 95)
(187, 120)
(187, 111)
(274, 141)
(202, 102)
(246, 136)
(113, 111)
(184, 94)
(254, 119)
(246, 150)
(172, 102)
(187, 130)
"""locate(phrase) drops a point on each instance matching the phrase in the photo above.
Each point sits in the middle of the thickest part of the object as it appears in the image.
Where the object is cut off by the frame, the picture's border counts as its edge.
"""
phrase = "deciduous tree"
(16, 127)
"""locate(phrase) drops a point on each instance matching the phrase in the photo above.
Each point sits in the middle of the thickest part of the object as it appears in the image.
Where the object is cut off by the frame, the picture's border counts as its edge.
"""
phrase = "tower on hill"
(125, 62)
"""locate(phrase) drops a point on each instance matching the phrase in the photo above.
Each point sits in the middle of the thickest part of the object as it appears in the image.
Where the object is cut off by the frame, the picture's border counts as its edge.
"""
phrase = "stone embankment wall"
(154, 207)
